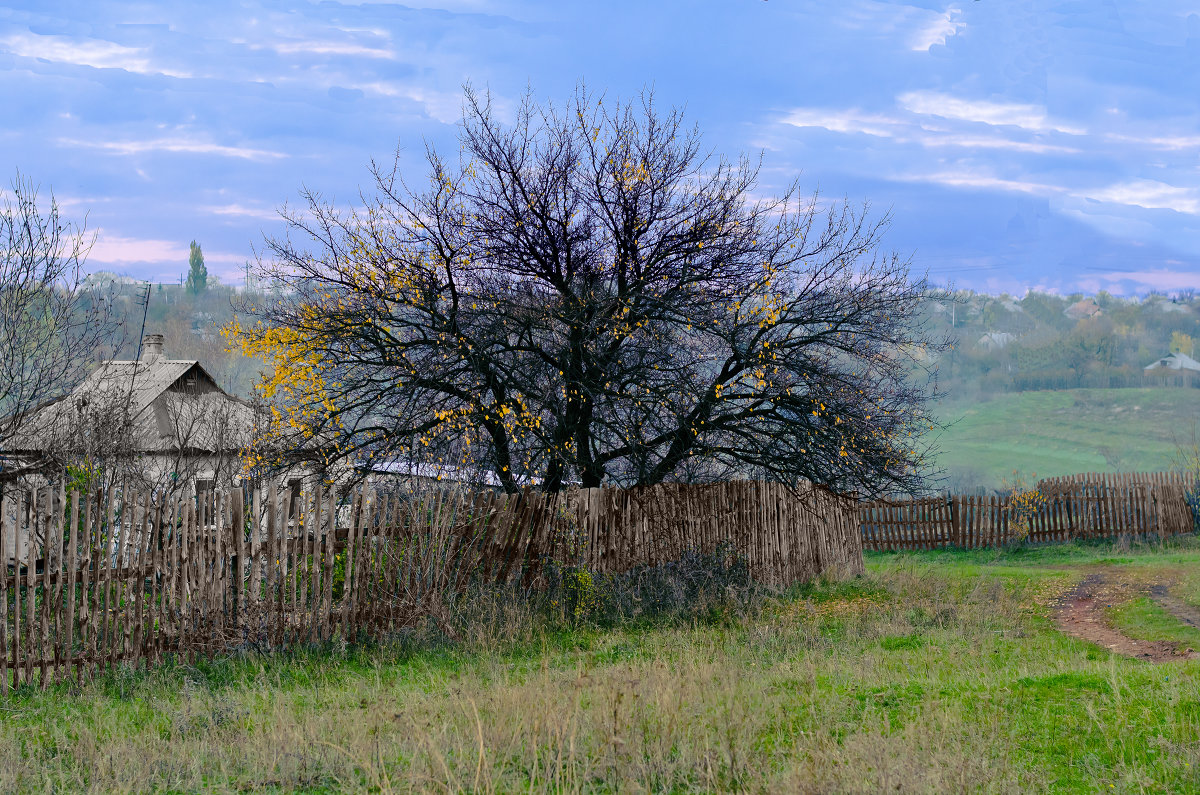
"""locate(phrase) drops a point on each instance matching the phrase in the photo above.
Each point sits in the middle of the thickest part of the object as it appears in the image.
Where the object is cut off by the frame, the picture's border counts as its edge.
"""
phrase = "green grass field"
(1066, 432)
(935, 672)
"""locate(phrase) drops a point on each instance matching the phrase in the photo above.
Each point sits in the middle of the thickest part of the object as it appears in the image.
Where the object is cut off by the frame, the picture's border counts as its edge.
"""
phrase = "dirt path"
(1080, 613)
(1175, 606)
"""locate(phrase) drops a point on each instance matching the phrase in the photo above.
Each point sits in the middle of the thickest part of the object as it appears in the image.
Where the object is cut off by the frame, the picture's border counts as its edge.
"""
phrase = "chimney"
(152, 348)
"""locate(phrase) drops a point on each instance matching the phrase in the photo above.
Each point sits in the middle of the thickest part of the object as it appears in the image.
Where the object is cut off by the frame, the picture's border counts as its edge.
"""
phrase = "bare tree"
(179, 439)
(51, 319)
(586, 296)
(210, 437)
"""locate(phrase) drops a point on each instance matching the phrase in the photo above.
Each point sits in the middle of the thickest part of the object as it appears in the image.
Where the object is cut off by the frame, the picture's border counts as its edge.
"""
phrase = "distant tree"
(52, 318)
(587, 297)
(197, 278)
(1181, 343)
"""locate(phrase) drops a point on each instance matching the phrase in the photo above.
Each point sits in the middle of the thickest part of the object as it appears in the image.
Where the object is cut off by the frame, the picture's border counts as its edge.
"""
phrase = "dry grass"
(919, 677)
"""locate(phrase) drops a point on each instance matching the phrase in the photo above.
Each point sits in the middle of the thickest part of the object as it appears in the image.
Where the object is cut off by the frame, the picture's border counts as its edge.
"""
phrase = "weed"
(933, 672)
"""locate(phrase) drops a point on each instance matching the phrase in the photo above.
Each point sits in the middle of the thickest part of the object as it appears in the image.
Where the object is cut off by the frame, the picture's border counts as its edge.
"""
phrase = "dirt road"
(1081, 613)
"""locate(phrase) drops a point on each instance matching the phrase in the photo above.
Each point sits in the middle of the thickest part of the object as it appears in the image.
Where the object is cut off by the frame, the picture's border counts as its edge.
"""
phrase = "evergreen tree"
(197, 279)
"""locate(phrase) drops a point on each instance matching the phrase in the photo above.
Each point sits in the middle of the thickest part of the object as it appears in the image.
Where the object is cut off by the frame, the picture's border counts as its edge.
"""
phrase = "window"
(293, 497)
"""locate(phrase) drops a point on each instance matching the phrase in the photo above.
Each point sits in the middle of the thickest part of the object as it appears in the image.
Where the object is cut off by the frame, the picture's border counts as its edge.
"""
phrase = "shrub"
(1193, 501)
(1025, 501)
(698, 584)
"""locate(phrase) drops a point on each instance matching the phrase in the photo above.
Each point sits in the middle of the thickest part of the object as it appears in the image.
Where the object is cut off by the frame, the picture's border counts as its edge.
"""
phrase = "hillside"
(1063, 432)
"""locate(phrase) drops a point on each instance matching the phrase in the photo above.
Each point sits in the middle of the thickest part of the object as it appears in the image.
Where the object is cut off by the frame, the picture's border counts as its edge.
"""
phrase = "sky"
(1015, 144)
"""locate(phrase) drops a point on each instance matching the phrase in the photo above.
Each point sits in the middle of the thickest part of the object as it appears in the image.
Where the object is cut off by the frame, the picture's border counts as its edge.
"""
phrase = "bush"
(1193, 501)
(698, 584)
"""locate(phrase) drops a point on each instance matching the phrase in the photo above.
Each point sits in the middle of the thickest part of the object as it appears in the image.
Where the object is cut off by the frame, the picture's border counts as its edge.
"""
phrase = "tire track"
(1081, 614)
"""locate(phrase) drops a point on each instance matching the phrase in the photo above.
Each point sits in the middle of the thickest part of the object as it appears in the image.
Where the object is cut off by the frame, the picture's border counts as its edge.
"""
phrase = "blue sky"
(1016, 143)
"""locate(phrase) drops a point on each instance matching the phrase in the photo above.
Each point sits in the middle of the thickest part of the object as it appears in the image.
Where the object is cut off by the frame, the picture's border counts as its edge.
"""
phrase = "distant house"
(995, 340)
(1084, 308)
(1176, 367)
(165, 418)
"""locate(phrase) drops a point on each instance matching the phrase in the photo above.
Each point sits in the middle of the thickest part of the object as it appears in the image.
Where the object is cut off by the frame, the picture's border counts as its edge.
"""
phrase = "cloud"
(1015, 114)
(116, 251)
(1154, 279)
(174, 145)
(936, 31)
(339, 48)
(910, 130)
(242, 211)
(979, 181)
(86, 52)
(1148, 194)
(442, 106)
(845, 121)
(983, 142)
(1169, 142)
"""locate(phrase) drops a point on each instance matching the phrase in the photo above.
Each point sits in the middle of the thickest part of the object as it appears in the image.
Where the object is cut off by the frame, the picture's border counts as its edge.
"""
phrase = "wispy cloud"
(849, 120)
(95, 53)
(936, 30)
(115, 252)
(334, 48)
(1148, 194)
(981, 111)
(1167, 142)
(174, 145)
(1163, 279)
(261, 213)
(442, 106)
(908, 128)
(982, 181)
(995, 142)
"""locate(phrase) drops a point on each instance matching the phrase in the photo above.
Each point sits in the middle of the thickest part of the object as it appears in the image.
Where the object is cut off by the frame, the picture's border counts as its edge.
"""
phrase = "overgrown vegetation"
(934, 672)
(700, 584)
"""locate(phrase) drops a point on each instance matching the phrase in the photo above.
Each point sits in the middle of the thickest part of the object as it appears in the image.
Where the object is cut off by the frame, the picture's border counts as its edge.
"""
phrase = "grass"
(1143, 619)
(1066, 432)
(935, 672)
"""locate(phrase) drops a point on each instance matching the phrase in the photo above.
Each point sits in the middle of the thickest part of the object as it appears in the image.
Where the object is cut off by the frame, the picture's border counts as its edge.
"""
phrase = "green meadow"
(1065, 432)
(934, 672)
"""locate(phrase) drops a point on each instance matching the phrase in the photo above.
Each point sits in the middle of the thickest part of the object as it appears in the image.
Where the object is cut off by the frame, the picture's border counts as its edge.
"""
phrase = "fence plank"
(328, 560)
(31, 655)
(5, 533)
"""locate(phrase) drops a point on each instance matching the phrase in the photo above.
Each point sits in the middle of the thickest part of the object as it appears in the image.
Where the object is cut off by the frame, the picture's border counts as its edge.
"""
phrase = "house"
(164, 421)
(1177, 367)
(995, 340)
(1083, 309)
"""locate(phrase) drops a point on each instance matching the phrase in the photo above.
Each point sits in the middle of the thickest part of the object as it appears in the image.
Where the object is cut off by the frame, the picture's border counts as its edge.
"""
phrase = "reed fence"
(119, 577)
(1093, 505)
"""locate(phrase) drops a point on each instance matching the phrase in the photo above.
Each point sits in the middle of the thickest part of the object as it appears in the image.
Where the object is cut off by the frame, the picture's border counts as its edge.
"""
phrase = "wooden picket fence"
(118, 577)
(786, 535)
(1093, 505)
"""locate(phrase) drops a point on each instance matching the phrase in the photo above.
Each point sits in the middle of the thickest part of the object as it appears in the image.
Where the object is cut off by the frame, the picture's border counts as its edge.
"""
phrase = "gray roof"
(1175, 361)
(158, 421)
(142, 380)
